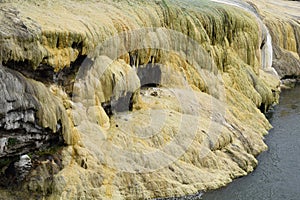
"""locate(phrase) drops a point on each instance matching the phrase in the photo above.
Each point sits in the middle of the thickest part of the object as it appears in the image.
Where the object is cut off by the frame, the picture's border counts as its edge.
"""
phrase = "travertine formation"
(137, 99)
(283, 18)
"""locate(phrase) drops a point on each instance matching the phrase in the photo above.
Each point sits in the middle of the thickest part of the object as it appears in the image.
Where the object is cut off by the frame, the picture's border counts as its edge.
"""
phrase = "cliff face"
(140, 99)
(284, 29)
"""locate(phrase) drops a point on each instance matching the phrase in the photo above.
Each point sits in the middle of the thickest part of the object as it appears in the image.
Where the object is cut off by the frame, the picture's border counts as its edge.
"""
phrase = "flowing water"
(277, 176)
(266, 49)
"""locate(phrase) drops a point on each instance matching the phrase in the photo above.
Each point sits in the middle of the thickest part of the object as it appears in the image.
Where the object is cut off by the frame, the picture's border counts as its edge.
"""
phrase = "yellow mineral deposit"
(219, 115)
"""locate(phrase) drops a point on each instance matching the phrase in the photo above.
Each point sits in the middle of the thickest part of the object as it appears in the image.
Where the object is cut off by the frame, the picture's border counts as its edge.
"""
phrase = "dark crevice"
(150, 85)
(20, 109)
(152, 59)
(295, 77)
(45, 73)
(122, 104)
(149, 75)
(133, 56)
(21, 66)
(67, 76)
(17, 145)
(263, 108)
(78, 45)
(107, 108)
(262, 44)
(57, 42)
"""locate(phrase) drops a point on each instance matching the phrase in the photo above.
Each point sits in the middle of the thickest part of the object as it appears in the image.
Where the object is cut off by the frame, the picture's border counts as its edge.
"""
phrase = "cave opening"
(150, 85)
(122, 104)
(149, 75)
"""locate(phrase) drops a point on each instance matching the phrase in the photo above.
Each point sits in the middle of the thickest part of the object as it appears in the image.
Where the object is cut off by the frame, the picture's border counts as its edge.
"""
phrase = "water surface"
(277, 176)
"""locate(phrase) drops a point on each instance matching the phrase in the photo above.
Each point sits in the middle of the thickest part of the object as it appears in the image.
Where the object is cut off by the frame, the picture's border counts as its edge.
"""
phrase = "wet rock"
(22, 167)
(20, 128)
(288, 83)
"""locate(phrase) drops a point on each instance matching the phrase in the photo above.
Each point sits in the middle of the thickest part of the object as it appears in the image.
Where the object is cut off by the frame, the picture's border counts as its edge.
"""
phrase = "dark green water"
(277, 176)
